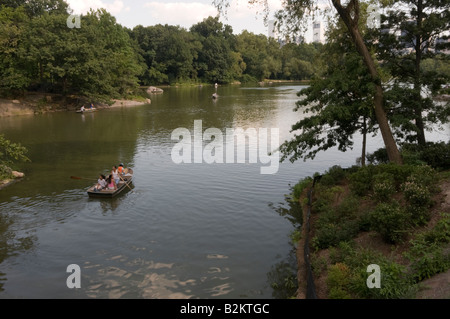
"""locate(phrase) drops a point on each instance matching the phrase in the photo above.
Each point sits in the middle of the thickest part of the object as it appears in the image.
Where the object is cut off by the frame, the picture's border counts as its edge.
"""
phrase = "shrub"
(378, 157)
(361, 181)
(338, 281)
(5, 172)
(416, 194)
(331, 234)
(395, 280)
(427, 259)
(390, 221)
(437, 155)
(383, 187)
(429, 253)
(300, 187)
(333, 176)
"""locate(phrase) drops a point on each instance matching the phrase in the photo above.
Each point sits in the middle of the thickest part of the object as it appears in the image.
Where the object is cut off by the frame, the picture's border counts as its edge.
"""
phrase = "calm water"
(184, 231)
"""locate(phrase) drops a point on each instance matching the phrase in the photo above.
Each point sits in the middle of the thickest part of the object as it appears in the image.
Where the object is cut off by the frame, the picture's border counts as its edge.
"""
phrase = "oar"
(76, 177)
(125, 182)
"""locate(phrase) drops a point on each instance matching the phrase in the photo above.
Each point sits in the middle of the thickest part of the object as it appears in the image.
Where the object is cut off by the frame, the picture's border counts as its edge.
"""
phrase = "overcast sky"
(241, 16)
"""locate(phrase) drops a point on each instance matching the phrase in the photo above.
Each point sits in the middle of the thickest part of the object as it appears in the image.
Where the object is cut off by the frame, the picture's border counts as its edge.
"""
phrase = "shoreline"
(41, 103)
(18, 176)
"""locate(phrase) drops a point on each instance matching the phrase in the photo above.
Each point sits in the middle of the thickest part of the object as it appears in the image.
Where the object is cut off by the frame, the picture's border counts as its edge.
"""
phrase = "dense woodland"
(102, 59)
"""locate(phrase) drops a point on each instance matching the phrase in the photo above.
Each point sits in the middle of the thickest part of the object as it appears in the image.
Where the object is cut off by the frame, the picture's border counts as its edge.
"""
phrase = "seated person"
(120, 169)
(101, 183)
(111, 183)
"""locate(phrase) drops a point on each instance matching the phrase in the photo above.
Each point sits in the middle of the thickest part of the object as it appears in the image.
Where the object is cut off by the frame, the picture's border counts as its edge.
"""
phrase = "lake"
(189, 230)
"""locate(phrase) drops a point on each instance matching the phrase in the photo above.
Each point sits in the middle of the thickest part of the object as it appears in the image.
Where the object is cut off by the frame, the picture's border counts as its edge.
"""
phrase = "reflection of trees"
(282, 276)
(11, 243)
(111, 204)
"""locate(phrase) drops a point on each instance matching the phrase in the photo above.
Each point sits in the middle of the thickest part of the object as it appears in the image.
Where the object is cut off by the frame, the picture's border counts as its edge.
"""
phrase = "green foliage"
(390, 221)
(336, 224)
(300, 187)
(5, 172)
(384, 186)
(429, 253)
(416, 194)
(338, 281)
(11, 152)
(396, 282)
(333, 176)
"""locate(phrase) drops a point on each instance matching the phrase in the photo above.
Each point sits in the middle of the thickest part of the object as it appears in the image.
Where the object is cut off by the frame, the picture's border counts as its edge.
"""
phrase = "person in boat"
(91, 106)
(82, 109)
(115, 174)
(111, 184)
(101, 183)
(120, 169)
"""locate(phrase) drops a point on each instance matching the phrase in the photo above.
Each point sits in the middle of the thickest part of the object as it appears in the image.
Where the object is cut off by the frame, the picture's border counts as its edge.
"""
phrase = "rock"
(148, 101)
(154, 90)
(48, 98)
(17, 174)
(16, 101)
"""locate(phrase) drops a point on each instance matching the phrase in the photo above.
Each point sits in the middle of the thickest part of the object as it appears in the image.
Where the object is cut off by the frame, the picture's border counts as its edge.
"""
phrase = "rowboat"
(87, 110)
(127, 178)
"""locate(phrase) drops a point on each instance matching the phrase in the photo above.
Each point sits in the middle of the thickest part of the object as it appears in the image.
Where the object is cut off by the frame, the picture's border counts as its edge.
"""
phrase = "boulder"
(17, 174)
(154, 90)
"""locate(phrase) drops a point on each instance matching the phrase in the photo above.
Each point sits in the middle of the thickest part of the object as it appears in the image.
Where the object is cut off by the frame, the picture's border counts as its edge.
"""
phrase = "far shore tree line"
(102, 59)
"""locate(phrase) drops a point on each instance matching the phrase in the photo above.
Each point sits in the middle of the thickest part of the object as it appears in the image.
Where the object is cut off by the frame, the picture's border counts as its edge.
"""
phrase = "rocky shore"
(35, 103)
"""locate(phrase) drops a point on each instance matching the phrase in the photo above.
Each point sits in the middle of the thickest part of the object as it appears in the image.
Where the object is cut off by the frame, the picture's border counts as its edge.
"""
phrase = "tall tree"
(14, 76)
(294, 15)
(339, 102)
(408, 36)
(216, 61)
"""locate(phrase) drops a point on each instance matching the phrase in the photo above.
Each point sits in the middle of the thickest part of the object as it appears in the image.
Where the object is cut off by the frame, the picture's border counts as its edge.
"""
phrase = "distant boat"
(87, 110)
(110, 193)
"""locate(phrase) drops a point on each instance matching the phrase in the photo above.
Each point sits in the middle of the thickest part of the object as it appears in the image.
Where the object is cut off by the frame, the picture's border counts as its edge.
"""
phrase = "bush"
(331, 234)
(429, 253)
(416, 194)
(390, 221)
(378, 157)
(338, 281)
(383, 187)
(333, 176)
(361, 181)
(5, 172)
(437, 155)
(395, 280)
(300, 187)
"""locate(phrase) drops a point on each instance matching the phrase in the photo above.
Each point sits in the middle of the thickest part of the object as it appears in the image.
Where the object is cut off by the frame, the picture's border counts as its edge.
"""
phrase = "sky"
(130, 13)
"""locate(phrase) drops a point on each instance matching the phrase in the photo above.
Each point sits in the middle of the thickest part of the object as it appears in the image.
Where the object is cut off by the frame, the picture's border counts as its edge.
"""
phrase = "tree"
(216, 61)
(409, 37)
(13, 74)
(11, 152)
(169, 53)
(97, 61)
(340, 101)
(37, 7)
(293, 15)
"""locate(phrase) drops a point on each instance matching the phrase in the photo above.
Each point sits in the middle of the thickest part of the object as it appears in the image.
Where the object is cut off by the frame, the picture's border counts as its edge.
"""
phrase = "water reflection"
(12, 242)
(283, 275)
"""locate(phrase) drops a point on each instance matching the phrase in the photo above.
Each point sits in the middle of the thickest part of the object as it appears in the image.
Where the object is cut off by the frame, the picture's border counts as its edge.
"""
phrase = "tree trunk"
(350, 16)
(417, 78)
(364, 143)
